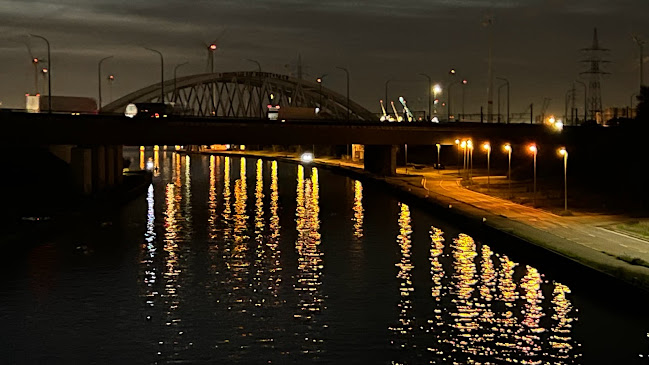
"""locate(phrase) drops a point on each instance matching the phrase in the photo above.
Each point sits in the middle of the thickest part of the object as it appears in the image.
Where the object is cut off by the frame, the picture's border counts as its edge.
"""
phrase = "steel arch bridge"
(244, 95)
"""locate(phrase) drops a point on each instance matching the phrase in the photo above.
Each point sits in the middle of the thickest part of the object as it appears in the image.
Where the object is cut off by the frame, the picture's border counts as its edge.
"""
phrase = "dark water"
(244, 261)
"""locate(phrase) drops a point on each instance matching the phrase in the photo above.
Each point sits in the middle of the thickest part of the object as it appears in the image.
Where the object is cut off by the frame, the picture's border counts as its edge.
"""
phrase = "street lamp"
(175, 92)
(49, 73)
(111, 79)
(508, 148)
(448, 107)
(319, 81)
(99, 77)
(469, 145)
(35, 63)
(506, 83)
(464, 157)
(162, 77)
(487, 147)
(429, 90)
(534, 151)
(439, 146)
(457, 143)
(211, 48)
(44, 73)
(563, 152)
(437, 89)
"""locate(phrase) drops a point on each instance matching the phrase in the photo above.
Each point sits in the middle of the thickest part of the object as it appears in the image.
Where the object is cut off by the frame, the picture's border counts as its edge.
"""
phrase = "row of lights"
(467, 145)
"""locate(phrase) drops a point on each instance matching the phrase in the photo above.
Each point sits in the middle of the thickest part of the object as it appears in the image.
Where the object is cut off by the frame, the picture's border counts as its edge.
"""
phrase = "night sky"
(535, 45)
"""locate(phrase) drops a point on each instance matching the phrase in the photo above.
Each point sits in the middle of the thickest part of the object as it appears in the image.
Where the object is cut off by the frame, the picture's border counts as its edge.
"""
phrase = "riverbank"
(594, 240)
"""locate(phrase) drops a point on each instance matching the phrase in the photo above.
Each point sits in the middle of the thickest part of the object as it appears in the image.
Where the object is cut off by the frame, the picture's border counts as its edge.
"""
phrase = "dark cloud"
(535, 43)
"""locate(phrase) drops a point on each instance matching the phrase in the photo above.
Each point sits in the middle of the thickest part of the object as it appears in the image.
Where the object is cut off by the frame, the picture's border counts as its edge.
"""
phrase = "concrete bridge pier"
(381, 159)
(96, 168)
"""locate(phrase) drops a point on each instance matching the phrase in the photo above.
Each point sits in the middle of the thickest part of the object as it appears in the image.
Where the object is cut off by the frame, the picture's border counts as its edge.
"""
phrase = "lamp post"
(44, 71)
(534, 151)
(211, 48)
(464, 157)
(457, 143)
(162, 77)
(506, 83)
(386, 92)
(175, 93)
(487, 147)
(439, 146)
(99, 77)
(429, 90)
(35, 63)
(348, 111)
(319, 81)
(585, 98)
(563, 152)
(111, 79)
(469, 145)
(436, 90)
(49, 73)
(508, 148)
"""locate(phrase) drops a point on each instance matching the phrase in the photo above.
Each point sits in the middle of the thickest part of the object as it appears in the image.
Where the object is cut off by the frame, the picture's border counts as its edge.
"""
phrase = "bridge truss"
(244, 95)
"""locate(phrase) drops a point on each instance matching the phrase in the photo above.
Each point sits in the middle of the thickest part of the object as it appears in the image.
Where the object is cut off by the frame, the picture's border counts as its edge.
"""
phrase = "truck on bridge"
(68, 104)
(283, 113)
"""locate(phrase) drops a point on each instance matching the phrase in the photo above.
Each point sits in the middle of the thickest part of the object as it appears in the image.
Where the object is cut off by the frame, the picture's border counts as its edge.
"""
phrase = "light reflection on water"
(250, 261)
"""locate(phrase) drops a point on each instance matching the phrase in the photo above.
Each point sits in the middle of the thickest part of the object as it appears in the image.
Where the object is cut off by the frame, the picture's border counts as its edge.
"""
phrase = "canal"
(246, 261)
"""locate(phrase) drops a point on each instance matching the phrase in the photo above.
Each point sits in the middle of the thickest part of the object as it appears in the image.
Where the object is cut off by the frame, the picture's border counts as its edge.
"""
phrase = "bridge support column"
(110, 165)
(381, 159)
(81, 164)
(98, 168)
(119, 164)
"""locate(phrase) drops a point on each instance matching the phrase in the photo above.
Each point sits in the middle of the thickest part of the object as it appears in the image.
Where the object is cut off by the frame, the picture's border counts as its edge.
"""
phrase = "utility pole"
(594, 54)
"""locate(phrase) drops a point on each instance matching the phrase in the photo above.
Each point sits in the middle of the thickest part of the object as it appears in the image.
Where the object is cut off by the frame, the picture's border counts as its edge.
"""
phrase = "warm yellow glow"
(507, 147)
(437, 89)
(486, 146)
(142, 148)
(156, 148)
(533, 149)
(463, 145)
(469, 144)
(562, 151)
(457, 141)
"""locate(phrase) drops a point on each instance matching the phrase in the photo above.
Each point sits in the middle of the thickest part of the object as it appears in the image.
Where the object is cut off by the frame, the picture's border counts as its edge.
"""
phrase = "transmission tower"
(594, 60)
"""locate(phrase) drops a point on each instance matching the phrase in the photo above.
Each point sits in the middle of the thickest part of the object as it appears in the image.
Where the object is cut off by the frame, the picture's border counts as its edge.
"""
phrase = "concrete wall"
(381, 159)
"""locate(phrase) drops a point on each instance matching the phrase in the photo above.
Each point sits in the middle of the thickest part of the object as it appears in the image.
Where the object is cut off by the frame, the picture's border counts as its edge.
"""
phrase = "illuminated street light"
(487, 147)
(319, 81)
(439, 146)
(175, 92)
(534, 151)
(469, 145)
(464, 159)
(99, 77)
(508, 148)
(457, 143)
(306, 157)
(162, 66)
(563, 152)
(49, 73)
(437, 89)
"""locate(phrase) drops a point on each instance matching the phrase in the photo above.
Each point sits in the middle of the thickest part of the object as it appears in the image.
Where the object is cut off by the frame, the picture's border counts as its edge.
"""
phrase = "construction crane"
(384, 117)
(405, 108)
(396, 115)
